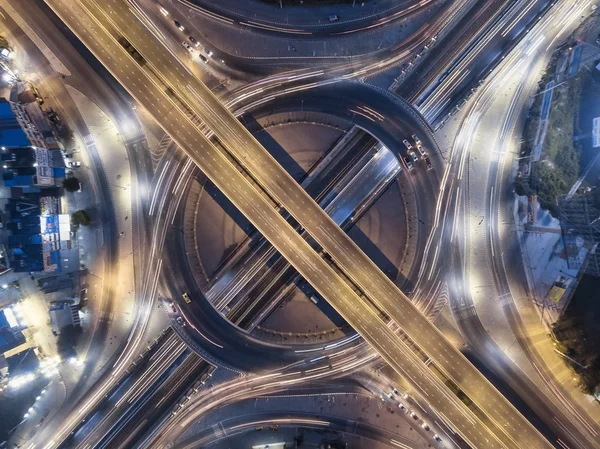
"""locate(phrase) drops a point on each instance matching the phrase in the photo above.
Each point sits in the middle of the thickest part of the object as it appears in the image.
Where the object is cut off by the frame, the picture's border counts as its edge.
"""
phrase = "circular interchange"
(209, 332)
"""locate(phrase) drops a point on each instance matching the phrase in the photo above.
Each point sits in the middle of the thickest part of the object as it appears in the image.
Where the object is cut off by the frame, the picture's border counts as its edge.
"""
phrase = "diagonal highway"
(173, 96)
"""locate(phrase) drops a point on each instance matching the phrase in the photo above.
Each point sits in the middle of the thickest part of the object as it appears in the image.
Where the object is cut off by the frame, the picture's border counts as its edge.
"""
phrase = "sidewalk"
(115, 163)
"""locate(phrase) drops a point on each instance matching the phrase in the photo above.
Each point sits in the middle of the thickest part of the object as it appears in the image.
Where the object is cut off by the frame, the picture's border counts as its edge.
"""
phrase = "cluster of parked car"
(412, 158)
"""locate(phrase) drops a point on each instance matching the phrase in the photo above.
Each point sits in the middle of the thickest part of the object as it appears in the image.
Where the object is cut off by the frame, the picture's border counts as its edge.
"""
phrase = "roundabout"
(243, 294)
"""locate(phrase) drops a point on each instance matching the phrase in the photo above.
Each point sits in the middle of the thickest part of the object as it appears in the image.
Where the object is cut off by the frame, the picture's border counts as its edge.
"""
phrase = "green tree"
(522, 187)
(71, 184)
(80, 217)
(67, 341)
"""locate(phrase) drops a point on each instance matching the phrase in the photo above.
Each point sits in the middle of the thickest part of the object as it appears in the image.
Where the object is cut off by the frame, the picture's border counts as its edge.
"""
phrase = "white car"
(416, 139)
(74, 164)
(421, 150)
(407, 144)
(187, 46)
(164, 12)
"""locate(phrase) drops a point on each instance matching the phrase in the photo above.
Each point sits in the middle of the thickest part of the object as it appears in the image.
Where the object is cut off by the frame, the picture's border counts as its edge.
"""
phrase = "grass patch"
(558, 168)
(559, 165)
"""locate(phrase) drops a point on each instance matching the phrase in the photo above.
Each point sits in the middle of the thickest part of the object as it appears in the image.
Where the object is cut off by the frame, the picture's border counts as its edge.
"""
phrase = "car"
(408, 163)
(73, 164)
(428, 162)
(179, 25)
(416, 139)
(194, 41)
(407, 144)
(164, 12)
(401, 407)
(421, 149)
(187, 47)
(437, 438)
(333, 18)
(186, 298)
(414, 416)
(426, 427)
(203, 59)
(208, 52)
(414, 156)
(173, 307)
(180, 321)
(396, 392)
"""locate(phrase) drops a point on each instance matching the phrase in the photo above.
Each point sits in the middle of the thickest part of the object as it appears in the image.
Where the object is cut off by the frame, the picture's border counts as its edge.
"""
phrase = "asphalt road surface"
(99, 30)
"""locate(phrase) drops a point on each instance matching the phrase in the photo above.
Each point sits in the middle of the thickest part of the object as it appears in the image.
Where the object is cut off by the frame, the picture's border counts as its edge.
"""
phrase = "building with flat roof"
(64, 313)
(33, 168)
(38, 232)
(10, 331)
(12, 134)
(29, 151)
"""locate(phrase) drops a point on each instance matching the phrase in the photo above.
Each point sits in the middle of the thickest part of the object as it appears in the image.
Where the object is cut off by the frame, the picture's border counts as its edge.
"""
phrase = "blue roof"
(11, 134)
(17, 181)
(55, 259)
(3, 320)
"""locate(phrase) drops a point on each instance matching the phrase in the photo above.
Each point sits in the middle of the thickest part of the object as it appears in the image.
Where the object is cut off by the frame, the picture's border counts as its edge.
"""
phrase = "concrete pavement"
(115, 163)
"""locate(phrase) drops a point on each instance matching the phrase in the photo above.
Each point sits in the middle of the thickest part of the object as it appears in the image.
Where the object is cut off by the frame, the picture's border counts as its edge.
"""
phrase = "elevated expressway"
(340, 101)
(163, 93)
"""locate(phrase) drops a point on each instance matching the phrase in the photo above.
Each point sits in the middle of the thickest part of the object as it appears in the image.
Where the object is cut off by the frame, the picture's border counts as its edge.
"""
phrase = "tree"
(80, 217)
(71, 184)
(522, 187)
(67, 341)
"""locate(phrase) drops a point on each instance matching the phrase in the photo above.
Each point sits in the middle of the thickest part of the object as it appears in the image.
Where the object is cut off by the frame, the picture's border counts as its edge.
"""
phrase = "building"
(64, 313)
(29, 151)
(38, 232)
(580, 229)
(32, 169)
(11, 336)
